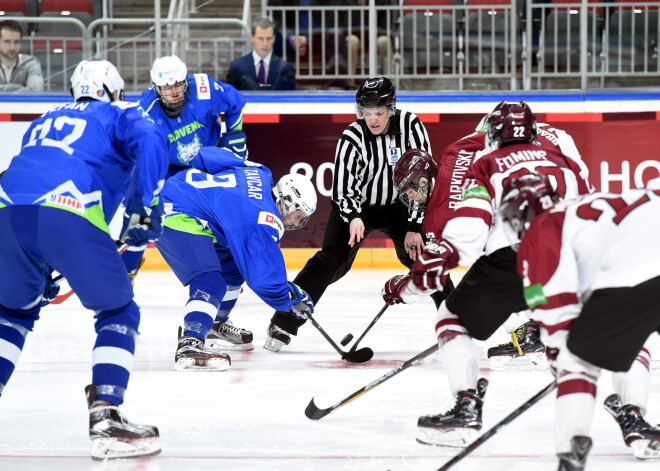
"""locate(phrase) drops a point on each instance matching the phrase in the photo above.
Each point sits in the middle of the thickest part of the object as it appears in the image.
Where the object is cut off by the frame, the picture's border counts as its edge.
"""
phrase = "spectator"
(19, 73)
(261, 69)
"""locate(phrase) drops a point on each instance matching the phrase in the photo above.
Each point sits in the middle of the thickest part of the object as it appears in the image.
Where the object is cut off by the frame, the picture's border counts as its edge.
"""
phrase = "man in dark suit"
(261, 69)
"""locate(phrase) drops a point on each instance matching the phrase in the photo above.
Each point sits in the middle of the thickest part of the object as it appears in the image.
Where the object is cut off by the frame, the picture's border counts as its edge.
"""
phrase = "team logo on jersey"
(269, 219)
(187, 152)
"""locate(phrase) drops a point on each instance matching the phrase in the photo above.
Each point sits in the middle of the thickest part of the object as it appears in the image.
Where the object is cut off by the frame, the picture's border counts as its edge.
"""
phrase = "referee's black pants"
(335, 258)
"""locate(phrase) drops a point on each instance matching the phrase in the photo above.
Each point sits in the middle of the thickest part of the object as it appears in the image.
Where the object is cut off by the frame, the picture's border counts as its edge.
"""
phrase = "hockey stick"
(60, 298)
(369, 327)
(314, 413)
(506, 420)
(360, 356)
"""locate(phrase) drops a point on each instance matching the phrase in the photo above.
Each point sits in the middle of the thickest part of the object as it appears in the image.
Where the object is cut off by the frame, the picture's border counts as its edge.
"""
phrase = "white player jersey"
(602, 240)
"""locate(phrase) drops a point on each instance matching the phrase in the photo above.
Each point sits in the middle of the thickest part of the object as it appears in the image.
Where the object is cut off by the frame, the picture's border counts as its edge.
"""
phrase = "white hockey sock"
(458, 353)
(633, 385)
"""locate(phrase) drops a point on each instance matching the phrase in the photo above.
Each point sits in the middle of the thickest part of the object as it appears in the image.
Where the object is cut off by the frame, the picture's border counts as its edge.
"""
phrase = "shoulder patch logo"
(203, 86)
(269, 219)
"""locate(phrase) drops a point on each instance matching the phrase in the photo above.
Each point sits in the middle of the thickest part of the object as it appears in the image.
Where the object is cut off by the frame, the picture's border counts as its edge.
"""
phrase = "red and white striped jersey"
(476, 227)
(602, 240)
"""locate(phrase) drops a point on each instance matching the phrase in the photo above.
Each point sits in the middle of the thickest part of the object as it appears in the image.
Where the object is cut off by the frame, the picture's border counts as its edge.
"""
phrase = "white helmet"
(168, 70)
(296, 199)
(98, 80)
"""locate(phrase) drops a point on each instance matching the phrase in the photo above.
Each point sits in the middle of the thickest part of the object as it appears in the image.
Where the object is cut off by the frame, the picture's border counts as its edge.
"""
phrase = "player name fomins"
(254, 184)
(513, 158)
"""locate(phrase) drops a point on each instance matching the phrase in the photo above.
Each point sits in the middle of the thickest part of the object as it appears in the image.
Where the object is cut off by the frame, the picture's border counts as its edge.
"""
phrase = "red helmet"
(511, 122)
(411, 167)
(525, 198)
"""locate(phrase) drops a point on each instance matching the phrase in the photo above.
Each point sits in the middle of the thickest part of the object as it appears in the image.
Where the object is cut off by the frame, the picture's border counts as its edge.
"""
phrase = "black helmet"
(375, 92)
(523, 199)
(511, 122)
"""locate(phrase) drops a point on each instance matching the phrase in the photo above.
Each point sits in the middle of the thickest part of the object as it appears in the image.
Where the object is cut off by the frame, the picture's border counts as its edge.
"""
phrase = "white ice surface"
(252, 417)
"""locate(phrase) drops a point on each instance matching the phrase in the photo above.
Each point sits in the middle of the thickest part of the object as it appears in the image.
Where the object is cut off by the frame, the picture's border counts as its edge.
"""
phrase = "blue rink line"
(402, 96)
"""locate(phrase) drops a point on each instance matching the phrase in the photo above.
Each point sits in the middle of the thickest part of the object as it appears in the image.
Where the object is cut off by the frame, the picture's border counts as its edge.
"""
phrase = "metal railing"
(453, 47)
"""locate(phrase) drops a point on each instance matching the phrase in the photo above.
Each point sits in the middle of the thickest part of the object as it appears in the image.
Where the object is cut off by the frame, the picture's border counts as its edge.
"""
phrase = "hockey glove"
(142, 224)
(430, 270)
(398, 290)
(235, 142)
(51, 291)
(302, 302)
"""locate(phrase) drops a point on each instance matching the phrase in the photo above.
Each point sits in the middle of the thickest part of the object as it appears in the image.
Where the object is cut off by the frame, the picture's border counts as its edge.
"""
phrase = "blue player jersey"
(79, 157)
(233, 204)
(198, 125)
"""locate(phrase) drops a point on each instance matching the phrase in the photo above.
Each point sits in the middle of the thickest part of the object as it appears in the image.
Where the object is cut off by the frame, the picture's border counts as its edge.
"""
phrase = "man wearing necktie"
(261, 69)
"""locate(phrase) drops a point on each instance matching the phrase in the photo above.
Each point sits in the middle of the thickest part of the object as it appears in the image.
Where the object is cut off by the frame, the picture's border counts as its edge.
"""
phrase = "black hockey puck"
(346, 340)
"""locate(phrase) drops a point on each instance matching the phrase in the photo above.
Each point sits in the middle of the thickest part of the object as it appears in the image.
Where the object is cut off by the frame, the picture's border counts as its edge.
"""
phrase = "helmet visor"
(415, 194)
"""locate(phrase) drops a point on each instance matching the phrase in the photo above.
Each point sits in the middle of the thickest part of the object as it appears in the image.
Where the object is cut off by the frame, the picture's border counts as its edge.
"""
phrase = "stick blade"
(314, 413)
(359, 356)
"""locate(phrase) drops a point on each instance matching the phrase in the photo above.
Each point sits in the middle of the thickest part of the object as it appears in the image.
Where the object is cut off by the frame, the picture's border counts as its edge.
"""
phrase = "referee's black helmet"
(374, 93)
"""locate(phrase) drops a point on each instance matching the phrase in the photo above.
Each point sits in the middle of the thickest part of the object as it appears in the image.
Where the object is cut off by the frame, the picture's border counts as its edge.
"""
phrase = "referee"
(363, 197)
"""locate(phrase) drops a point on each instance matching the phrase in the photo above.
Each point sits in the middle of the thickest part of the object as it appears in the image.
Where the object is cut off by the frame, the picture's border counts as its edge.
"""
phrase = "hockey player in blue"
(188, 108)
(223, 221)
(56, 200)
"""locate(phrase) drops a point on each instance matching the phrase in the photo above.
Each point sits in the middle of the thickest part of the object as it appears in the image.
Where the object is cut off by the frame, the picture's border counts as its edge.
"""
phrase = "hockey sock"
(228, 303)
(458, 353)
(206, 291)
(576, 397)
(12, 340)
(131, 258)
(114, 350)
(633, 385)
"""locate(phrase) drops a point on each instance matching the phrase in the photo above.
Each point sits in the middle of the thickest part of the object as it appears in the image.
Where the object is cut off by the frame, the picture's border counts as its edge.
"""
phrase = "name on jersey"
(254, 184)
(67, 201)
(184, 131)
(457, 175)
(77, 105)
(510, 160)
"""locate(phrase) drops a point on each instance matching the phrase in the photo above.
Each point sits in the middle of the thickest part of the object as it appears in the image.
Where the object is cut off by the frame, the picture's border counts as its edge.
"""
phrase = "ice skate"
(225, 336)
(576, 459)
(457, 427)
(113, 436)
(524, 352)
(638, 434)
(192, 355)
(277, 338)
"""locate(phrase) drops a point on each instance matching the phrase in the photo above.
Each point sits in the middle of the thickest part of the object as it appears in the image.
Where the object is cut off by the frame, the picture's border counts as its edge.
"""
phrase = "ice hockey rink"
(252, 417)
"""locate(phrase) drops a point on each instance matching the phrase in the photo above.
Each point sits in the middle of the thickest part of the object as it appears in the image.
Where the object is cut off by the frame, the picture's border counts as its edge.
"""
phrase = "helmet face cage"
(296, 200)
(408, 172)
(99, 80)
(375, 93)
(523, 199)
(511, 122)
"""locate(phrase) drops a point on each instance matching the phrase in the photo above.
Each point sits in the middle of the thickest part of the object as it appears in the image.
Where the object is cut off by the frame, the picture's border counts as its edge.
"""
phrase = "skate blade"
(528, 362)
(646, 449)
(113, 448)
(202, 364)
(225, 346)
(273, 345)
(455, 438)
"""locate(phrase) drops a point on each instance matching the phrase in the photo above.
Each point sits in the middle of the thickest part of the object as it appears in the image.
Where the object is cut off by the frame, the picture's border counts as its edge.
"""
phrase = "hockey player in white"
(591, 273)
(491, 290)
(56, 200)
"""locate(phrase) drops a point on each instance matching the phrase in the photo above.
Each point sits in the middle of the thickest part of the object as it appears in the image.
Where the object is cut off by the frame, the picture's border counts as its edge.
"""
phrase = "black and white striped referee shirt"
(363, 172)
